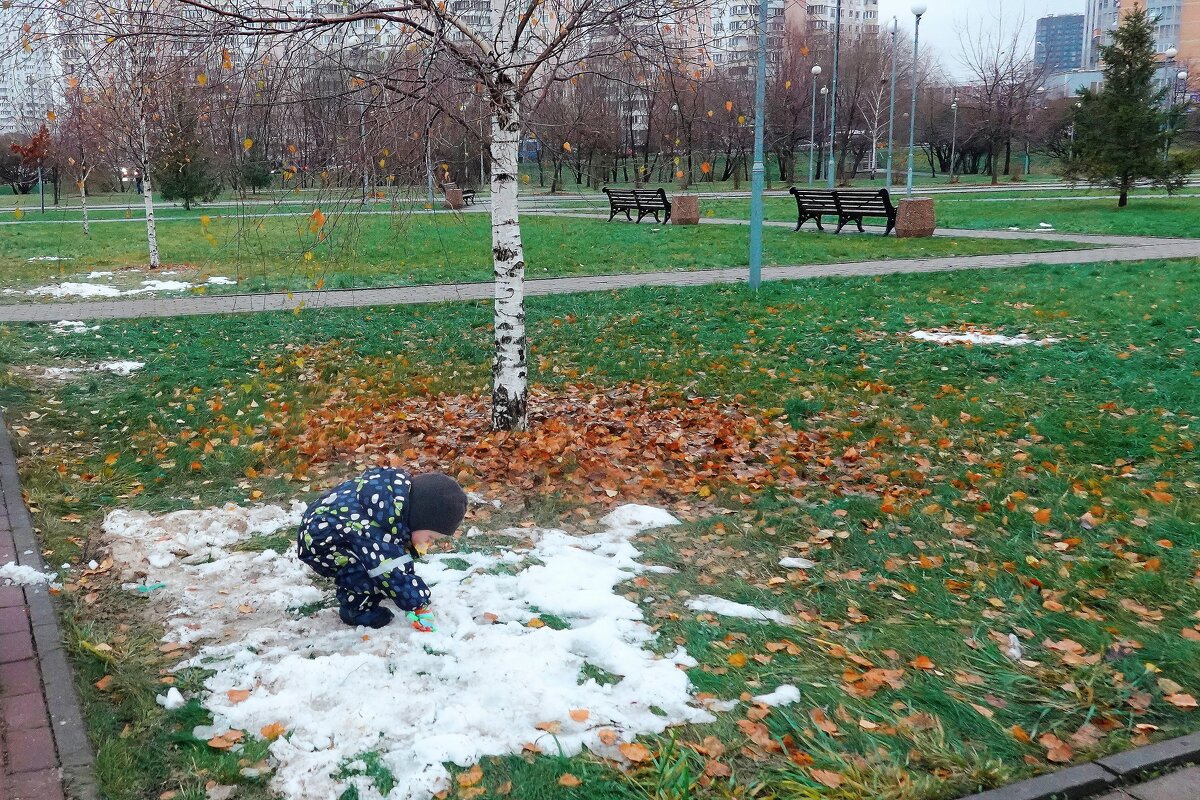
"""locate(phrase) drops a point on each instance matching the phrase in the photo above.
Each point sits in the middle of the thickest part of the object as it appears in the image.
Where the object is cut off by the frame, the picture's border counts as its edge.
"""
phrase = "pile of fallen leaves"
(632, 441)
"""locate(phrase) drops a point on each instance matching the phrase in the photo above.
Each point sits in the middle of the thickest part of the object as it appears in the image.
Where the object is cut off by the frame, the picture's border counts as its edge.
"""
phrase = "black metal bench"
(850, 205)
(467, 194)
(643, 201)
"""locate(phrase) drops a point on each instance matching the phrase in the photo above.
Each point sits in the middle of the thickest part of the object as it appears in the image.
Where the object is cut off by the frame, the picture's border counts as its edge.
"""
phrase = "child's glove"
(422, 620)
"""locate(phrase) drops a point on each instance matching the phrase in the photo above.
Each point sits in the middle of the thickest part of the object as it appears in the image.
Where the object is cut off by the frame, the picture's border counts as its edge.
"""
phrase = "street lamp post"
(812, 127)
(757, 169)
(824, 119)
(953, 136)
(1178, 87)
(1170, 54)
(892, 106)
(918, 11)
(837, 41)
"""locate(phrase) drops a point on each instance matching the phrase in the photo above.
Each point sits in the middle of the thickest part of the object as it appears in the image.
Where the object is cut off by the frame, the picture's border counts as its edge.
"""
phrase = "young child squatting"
(366, 534)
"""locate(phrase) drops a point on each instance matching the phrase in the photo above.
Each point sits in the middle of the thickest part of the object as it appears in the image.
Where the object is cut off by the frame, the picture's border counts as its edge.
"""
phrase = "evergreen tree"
(185, 170)
(1123, 131)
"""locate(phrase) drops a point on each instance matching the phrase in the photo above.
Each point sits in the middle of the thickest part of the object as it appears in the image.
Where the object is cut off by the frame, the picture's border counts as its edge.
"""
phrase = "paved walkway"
(44, 751)
(1181, 785)
(1112, 248)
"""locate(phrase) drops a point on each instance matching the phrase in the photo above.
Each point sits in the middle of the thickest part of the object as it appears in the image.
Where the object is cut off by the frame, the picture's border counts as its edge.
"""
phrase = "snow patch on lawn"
(796, 563)
(728, 608)
(20, 575)
(76, 289)
(49, 258)
(785, 695)
(478, 686)
(73, 326)
(122, 368)
(974, 337)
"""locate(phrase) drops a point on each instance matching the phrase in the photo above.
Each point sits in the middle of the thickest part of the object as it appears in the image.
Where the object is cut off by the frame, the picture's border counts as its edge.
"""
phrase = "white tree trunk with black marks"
(87, 229)
(148, 193)
(510, 373)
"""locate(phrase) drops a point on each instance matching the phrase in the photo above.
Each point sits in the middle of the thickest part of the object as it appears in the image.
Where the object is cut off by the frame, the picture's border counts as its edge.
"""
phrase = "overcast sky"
(944, 19)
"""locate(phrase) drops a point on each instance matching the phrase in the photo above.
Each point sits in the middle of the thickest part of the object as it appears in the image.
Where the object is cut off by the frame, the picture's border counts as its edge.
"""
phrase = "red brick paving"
(43, 784)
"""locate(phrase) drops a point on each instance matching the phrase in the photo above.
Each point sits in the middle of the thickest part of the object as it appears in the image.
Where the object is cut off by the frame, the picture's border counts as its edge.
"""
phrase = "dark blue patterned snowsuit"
(357, 534)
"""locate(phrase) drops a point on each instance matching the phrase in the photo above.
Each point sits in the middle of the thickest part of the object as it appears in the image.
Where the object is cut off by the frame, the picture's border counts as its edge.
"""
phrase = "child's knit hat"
(436, 503)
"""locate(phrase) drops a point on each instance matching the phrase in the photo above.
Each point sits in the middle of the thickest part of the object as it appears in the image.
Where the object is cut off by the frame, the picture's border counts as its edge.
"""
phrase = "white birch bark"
(87, 229)
(148, 196)
(510, 375)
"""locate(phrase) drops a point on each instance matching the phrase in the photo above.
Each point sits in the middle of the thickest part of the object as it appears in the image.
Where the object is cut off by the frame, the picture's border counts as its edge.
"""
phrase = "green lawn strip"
(274, 254)
(1147, 216)
(1103, 419)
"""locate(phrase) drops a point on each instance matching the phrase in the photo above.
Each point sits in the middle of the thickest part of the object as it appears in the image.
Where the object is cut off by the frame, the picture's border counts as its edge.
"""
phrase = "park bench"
(467, 194)
(643, 201)
(849, 205)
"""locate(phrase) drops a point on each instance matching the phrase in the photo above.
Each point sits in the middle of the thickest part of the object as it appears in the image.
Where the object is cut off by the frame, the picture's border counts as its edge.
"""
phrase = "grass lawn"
(949, 496)
(351, 250)
(1148, 216)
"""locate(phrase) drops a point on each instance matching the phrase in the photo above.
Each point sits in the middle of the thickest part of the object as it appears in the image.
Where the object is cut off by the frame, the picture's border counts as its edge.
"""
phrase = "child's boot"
(375, 617)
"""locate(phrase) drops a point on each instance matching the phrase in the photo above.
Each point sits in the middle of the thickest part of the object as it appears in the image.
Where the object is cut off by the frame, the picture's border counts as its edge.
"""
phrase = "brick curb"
(1097, 776)
(70, 735)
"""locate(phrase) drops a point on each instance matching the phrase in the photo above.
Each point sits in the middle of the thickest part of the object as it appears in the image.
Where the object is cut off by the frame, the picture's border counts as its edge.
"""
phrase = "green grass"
(968, 442)
(284, 253)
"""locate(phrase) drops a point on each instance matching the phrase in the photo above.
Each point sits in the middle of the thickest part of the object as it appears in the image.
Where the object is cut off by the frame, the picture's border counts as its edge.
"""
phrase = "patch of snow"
(20, 575)
(171, 700)
(1046, 226)
(161, 286)
(75, 289)
(72, 289)
(971, 337)
(728, 608)
(785, 695)
(1014, 650)
(122, 368)
(469, 690)
(93, 275)
(73, 326)
(49, 258)
(796, 563)
(221, 280)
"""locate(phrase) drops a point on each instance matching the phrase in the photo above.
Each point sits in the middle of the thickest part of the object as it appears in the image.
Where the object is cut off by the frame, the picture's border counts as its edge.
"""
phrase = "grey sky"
(945, 18)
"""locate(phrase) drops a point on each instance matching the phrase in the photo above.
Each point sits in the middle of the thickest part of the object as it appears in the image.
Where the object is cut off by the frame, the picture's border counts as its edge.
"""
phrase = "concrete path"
(1182, 785)
(1133, 249)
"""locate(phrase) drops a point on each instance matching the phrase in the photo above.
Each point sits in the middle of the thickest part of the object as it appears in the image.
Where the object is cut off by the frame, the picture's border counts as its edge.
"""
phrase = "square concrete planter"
(915, 218)
(454, 199)
(685, 209)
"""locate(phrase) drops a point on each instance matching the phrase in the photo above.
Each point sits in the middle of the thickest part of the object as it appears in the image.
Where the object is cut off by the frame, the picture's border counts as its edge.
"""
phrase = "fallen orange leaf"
(569, 780)
(635, 752)
(471, 777)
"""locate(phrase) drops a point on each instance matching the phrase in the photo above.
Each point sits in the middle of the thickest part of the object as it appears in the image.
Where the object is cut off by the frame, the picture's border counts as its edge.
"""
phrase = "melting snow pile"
(23, 576)
(49, 258)
(122, 368)
(478, 686)
(728, 608)
(974, 337)
(785, 695)
(74, 289)
(73, 326)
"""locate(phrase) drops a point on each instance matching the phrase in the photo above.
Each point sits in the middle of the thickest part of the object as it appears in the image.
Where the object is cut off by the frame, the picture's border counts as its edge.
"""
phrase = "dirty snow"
(221, 280)
(20, 575)
(76, 289)
(99, 274)
(172, 700)
(785, 695)
(728, 608)
(73, 326)
(49, 258)
(973, 337)
(796, 563)
(122, 368)
(478, 686)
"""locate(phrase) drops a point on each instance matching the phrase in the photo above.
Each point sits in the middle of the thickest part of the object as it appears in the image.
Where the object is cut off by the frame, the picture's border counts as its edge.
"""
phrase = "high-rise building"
(1058, 45)
(1177, 25)
(859, 17)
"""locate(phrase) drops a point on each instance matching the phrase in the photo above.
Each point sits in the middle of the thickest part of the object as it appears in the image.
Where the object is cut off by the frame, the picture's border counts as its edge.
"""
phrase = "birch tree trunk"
(510, 376)
(87, 230)
(148, 196)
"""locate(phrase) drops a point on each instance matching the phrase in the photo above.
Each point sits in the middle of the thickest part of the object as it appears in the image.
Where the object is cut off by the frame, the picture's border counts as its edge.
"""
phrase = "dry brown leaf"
(238, 695)
(273, 731)
(471, 777)
(607, 736)
(550, 726)
(504, 788)
(826, 777)
(1181, 700)
(105, 683)
(922, 662)
(579, 714)
(635, 752)
(716, 769)
(569, 780)
(471, 793)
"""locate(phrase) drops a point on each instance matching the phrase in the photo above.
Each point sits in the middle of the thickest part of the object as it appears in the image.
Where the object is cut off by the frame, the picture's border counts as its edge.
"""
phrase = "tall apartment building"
(1058, 42)
(29, 72)
(1178, 26)
(735, 33)
(859, 17)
